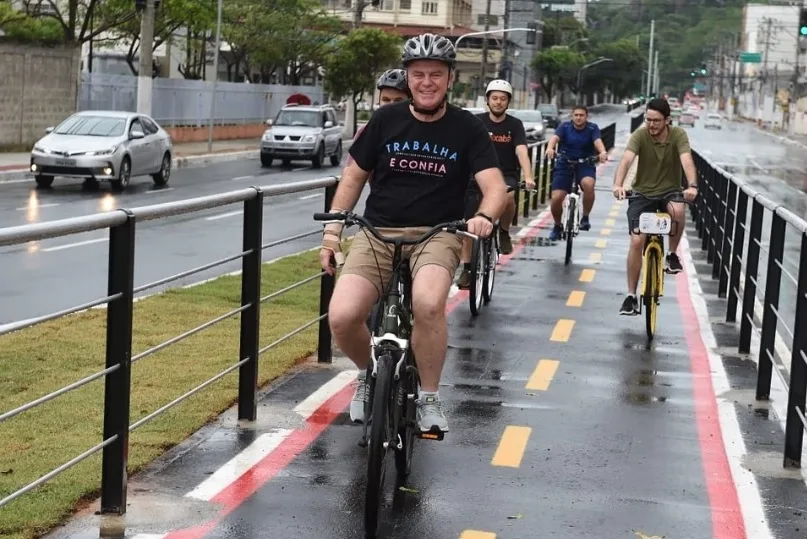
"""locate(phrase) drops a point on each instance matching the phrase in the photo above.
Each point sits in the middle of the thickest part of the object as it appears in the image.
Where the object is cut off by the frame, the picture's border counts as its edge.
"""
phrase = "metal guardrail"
(542, 172)
(733, 243)
(119, 301)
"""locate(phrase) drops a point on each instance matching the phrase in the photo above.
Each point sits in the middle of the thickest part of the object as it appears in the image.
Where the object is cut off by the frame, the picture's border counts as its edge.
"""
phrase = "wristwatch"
(488, 217)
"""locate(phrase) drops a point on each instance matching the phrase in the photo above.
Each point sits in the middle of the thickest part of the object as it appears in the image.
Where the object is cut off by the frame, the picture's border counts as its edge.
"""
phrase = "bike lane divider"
(576, 298)
(475, 534)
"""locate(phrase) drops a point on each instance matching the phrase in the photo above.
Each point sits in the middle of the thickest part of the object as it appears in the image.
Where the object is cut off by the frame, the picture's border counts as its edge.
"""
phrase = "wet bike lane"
(564, 423)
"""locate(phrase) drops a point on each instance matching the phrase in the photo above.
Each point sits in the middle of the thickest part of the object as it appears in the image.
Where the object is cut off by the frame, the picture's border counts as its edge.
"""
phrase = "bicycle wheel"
(492, 262)
(570, 230)
(650, 297)
(408, 388)
(477, 275)
(379, 435)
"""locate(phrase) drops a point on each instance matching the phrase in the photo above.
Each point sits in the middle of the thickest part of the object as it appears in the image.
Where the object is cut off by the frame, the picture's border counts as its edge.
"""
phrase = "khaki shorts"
(372, 259)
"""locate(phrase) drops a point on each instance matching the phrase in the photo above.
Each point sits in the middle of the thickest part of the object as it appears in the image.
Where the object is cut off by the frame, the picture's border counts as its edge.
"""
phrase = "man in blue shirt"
(578, 138)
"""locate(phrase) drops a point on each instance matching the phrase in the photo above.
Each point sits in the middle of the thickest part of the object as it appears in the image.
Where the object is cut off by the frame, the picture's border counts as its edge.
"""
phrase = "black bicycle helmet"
(429, 47)
(393, 78)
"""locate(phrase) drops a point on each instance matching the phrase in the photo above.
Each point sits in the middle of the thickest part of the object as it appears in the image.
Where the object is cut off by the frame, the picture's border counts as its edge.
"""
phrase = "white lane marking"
(224, 215)
(71, 245)
(24, 180)
(757, 165)
(745, 482)
(316, 399)
(239, 178)
(32, 208)
(158, 191)
(239, 465)
(300, 169)
(307, 197)
(265, 444)
(149, 535)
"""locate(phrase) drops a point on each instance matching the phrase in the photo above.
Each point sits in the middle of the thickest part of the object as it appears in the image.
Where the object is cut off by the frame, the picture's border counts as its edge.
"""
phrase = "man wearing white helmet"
(422, 154)
(508, 137)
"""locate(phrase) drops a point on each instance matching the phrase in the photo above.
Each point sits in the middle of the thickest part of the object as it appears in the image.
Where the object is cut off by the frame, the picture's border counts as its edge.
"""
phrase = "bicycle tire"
(570, 231)
(490, 272)
(406, 426)
(650, 297)
(375, 451)
(475, 287)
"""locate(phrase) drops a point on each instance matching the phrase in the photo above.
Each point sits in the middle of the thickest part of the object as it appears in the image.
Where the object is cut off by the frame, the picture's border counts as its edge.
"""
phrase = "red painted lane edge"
(727, 518)
(267, 468)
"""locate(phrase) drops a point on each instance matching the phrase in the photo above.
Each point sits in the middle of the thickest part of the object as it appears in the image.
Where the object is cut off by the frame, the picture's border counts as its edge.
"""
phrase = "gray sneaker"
(430, 414)
(361, 396)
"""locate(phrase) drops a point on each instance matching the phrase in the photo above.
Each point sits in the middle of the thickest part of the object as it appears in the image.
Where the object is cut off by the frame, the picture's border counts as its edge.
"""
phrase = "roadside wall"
(38, 88)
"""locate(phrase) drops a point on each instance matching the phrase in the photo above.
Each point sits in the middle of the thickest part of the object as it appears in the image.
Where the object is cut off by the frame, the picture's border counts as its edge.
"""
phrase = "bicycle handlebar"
(350, 218)
(675, 196)
(590, 160)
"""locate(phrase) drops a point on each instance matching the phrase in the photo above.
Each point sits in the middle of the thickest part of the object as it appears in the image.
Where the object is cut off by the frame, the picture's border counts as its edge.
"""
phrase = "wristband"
(480, 214)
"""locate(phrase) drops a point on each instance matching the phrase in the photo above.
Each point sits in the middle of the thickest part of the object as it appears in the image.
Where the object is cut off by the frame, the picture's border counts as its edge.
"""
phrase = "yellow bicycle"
(655, 225)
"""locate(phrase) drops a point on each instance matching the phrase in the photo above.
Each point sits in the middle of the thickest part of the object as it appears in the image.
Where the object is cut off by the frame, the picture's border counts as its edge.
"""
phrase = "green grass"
(38, 360)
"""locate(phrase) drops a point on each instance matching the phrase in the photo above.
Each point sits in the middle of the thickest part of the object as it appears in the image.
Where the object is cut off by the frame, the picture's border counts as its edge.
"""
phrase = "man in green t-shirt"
(663, 152)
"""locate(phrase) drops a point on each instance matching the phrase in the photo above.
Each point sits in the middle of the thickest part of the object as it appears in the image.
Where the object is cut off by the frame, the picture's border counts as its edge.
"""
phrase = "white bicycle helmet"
(429, 47)
(499, 85)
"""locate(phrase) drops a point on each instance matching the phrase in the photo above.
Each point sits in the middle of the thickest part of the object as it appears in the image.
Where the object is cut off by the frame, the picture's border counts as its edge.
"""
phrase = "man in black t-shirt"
(508, 137)
(422, 154)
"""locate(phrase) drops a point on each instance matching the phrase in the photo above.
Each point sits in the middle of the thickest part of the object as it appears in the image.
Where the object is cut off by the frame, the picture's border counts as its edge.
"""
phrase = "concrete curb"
(187, 161)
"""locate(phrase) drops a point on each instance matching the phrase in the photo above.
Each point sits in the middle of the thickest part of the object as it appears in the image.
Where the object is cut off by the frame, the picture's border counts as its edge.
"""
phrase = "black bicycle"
(572, 203)
(392, 375)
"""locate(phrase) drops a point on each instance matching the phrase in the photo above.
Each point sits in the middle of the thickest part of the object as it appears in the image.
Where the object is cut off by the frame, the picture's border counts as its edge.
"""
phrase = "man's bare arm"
(689, 169)
(598, 144)
(494, 192)
(347, 192)
(624, 166)
(553, 140)
(523, 155)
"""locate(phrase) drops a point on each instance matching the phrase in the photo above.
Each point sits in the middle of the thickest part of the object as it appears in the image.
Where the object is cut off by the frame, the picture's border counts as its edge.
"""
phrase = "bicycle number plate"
(655, 223)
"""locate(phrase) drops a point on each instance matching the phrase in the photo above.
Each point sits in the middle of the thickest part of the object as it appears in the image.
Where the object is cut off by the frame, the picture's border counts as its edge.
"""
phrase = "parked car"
(103, 146)
(550, 114)
(686, 118)
(308, 132)
(533, 122)
(713, 120)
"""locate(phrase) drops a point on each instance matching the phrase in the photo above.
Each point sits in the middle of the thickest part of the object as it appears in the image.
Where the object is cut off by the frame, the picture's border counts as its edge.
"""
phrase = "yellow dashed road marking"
(475, 534)
(542, 375)
(511, 447)
(614, 213)
(587, 275)
(601, 244)
(562, 331)
(605, 232)
(575, 299)
(610, 222)
(595, 257)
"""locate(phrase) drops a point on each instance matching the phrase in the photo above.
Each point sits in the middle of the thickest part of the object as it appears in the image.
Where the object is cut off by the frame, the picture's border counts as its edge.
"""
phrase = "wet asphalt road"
(41, 277)
(779, 172)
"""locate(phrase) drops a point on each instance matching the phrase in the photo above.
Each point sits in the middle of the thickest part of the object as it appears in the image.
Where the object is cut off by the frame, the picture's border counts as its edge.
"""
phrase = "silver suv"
(303, 132)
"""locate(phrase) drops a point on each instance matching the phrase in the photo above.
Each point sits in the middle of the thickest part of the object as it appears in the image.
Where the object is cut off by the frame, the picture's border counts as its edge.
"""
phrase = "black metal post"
(252, 240)
(736, 262)
(535, 174)
(517, 201)
(720, 212)
(797, 388)
(326, 286)
(546, 178)
(751, 273)
(707, 212)
(117, 386)
(728, 239)
(773, 280)
(525, 213)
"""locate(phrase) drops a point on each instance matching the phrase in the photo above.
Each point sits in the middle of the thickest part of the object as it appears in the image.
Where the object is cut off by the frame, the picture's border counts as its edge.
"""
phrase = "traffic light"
(692, 73)
(803, 22)
(531, 34)
(704, 71)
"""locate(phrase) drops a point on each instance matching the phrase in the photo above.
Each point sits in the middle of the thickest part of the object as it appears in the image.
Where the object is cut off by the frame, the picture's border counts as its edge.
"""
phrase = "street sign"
(751, 57)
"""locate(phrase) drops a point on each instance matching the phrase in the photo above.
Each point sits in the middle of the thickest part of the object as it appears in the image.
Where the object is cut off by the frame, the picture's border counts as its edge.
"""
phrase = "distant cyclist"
(663, 152)
(578, 138)
(392, 87)
(510, 141)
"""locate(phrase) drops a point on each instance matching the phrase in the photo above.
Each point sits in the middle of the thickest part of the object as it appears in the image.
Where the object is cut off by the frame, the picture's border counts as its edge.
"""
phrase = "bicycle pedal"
(433, 434)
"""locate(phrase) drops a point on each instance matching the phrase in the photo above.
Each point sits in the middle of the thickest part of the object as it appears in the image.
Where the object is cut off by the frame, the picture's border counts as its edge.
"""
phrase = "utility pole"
(146, 46)
(215, 79)
(656, 79)
(484, 68)
(769, 24)
(650, 59)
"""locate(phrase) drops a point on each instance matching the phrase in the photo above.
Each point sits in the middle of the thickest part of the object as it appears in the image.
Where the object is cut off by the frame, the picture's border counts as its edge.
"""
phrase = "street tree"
(78, 19)
(358, 60)
(18, 26)
(169, 18)
(557, 69)
(623, 76)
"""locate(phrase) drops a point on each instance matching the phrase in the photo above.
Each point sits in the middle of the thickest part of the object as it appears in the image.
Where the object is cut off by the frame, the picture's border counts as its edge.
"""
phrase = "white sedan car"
(106, 146)
(713, 120)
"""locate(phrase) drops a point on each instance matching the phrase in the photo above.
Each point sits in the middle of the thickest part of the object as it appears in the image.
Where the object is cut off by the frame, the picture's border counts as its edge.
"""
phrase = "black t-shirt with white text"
(420, 169)
(506, 135)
